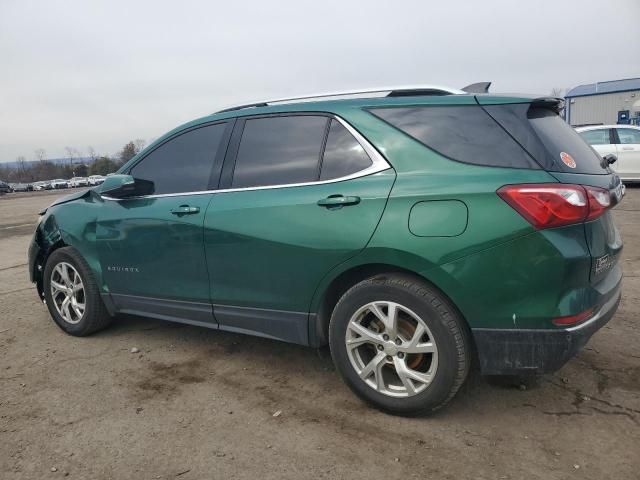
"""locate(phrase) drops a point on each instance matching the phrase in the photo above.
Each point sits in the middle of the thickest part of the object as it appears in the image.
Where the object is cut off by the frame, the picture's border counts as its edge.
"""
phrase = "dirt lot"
(196, 403)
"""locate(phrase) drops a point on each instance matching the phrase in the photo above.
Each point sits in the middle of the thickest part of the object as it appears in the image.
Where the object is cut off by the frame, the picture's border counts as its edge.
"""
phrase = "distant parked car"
(59, 183)
(620, 140)
(4, 188)
(37, 186)
(96, 179)
(76, 182)
(20, 187)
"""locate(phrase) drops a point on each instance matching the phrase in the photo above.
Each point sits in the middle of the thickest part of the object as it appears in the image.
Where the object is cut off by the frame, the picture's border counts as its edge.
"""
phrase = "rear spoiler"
(551, 103)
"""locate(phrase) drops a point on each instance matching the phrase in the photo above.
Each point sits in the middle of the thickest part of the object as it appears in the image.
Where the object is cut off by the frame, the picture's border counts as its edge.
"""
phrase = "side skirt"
(193, 313)
(286, 326)
(276, 324)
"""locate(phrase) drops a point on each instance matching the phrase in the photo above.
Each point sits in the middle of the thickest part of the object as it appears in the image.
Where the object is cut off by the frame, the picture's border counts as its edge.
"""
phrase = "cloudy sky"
(86, 73)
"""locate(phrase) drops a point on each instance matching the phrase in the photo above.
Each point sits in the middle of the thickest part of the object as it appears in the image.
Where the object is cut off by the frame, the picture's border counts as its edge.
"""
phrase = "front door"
(304, 193)
(151, 247)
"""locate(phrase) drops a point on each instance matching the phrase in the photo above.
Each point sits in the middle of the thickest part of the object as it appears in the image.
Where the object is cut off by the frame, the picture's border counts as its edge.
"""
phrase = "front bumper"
(32, 255)
(532, 351)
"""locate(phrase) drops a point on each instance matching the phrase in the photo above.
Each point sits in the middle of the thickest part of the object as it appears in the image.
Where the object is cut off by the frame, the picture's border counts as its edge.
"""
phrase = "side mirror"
(610, 159)
(123, 186)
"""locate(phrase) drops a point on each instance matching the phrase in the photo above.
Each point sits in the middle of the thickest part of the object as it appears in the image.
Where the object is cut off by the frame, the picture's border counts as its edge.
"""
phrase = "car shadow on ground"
(196, 354)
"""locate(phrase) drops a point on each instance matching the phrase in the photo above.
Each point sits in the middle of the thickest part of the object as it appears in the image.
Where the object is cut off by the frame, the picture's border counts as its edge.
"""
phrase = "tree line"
(24, 171)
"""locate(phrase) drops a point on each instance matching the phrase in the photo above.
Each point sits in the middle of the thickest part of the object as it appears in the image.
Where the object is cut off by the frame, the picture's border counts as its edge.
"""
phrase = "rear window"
(279, 151)
(463, 133)
(548, 138)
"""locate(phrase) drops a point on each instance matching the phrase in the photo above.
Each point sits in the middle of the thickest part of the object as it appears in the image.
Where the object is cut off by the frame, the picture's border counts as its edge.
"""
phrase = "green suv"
(412, 230)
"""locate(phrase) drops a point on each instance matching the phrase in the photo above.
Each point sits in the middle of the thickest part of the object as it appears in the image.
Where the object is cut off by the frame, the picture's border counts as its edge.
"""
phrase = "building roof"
(611, 86)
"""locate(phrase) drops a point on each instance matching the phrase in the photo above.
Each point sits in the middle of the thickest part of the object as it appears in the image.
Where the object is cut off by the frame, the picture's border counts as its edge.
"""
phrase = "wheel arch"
(50, 236)
(327, 296)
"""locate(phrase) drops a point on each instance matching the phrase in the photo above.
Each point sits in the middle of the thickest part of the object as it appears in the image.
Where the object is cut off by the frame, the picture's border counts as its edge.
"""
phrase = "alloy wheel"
(67, 293)
(391, 349)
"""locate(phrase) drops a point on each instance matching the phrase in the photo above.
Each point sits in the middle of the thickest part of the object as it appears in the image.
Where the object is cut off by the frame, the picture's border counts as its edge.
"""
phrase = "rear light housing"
(549, 205)
(573, 319)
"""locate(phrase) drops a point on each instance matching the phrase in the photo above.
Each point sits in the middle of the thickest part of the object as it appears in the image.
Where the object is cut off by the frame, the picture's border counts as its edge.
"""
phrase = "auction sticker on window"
(567, 160)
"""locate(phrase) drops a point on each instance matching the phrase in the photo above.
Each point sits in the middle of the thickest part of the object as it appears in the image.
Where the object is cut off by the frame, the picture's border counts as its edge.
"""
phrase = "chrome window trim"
(378, 164)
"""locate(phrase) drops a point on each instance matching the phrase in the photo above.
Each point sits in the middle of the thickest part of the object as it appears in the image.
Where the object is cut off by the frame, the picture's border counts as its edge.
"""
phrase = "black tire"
(95, 316)
(448, 330)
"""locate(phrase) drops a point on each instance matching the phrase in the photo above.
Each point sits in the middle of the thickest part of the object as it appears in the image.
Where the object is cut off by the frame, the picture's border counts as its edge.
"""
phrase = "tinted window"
(464, 133)
(628, 135)
(279, 150)
(596, 137)
(343, 155)
(557, 137)
(545, 136)
(183, 164)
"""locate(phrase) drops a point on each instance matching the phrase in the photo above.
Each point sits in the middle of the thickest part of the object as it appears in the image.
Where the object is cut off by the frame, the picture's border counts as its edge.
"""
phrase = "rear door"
(301, 193)
(151, 247)
(628, 143)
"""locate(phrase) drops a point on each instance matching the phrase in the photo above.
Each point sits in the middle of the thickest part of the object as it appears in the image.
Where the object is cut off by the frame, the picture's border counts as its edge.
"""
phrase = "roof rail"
(406, 91)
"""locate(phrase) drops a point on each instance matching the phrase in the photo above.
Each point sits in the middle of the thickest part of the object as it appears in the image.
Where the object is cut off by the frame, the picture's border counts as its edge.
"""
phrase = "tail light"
(549, 205)
(574, 319)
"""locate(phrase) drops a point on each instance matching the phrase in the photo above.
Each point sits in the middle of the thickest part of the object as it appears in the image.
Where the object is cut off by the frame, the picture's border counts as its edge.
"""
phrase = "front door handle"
(337, 201)
(185, 210)
(628, 148)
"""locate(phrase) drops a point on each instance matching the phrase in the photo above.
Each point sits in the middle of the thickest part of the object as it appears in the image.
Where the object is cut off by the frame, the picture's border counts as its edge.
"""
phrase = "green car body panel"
(266, 261)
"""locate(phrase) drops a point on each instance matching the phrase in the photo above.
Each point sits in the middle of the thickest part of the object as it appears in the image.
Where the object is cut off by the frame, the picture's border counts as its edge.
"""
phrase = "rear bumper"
(531, 351)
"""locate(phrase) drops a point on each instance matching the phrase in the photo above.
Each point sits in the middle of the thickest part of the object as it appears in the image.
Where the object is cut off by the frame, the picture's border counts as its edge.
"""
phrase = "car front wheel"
(399, 344)
(72, 295)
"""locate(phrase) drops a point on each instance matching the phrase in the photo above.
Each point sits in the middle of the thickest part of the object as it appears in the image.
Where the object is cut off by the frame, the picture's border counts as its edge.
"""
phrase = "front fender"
(68, 224)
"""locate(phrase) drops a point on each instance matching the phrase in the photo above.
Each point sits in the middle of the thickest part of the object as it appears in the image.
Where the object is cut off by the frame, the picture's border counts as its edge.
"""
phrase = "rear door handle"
(628, 148)
(336, 201)
(185, 210)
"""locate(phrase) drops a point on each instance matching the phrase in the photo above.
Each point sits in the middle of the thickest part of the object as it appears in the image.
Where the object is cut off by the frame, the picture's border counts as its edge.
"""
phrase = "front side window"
(596, 137)
(279, 151)
(343, 155)
(628, 135)
(184, 163)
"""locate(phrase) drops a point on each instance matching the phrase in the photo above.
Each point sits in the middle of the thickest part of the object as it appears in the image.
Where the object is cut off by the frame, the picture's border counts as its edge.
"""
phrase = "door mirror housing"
(123, 186)
(608, 160)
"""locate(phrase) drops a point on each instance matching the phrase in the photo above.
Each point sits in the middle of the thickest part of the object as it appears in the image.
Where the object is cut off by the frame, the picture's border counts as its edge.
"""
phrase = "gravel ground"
(195, 403)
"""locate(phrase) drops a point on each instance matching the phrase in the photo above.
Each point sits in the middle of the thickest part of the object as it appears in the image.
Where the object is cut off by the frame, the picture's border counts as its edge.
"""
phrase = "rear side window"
(343, 155)
(628, 135)
(464, 133)
(184, 163)
(596, 137)
(279, 151)
(546, 137)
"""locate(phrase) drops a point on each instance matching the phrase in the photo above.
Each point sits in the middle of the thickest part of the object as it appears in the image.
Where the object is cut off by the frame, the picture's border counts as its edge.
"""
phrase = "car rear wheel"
(72, 295)
(399, 344)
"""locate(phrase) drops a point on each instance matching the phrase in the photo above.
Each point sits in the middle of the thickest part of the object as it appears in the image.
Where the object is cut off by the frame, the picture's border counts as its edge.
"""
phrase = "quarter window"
(184, 163)
(596, 137)
(464, 133)
(628, 135)
(343, 155)
(279, 151)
